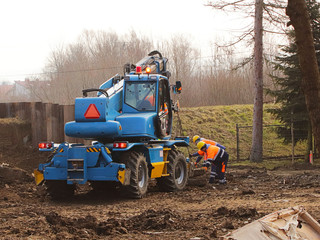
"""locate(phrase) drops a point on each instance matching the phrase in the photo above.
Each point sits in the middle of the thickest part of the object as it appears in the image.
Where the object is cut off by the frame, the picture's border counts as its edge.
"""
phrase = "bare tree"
(183, 59)
(273, 15)
(94, 58)
(300, 20)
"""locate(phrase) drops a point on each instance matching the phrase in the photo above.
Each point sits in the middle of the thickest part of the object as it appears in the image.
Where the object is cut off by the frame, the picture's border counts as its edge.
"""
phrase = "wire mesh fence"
(274, 146)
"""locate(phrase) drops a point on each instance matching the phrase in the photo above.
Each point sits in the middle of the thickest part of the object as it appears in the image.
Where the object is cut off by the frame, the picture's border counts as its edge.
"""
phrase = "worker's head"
(196, 139)
(201, 146)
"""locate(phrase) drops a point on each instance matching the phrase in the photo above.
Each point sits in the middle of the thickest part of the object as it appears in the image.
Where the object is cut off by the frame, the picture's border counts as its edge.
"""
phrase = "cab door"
(164, 120)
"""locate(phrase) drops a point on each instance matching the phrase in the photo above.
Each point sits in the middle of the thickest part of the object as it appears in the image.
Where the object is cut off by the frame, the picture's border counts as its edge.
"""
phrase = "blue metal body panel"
(178, 142)
(93, 129)
(108, 173)
(54, 173)
(82, 104)
(108, 108)
(155, 154)
(77, 164)
(137, 124)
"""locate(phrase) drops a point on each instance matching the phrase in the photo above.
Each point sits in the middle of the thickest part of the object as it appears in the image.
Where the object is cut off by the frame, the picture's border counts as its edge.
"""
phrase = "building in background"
(24, 91)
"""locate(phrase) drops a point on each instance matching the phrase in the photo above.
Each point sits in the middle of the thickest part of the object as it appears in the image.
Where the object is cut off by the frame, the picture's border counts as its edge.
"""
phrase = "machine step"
(75, 160)
(76, 170)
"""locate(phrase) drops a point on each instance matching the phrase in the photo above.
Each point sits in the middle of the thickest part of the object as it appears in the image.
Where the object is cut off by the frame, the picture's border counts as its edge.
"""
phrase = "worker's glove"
(195, 164)
(190, 155)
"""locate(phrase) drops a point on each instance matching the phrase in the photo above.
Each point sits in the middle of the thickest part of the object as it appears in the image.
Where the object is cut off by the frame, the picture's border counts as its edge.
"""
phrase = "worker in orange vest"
(151, 99)
(196, 139)
(216, 156)
(164, 109)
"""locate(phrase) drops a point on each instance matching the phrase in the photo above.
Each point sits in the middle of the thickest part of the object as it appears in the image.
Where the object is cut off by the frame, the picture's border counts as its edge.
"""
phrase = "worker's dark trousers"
(221, 165)
(213, 173)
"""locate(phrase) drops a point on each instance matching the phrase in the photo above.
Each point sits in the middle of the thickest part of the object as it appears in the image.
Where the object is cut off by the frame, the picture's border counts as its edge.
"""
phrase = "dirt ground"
(201, 211)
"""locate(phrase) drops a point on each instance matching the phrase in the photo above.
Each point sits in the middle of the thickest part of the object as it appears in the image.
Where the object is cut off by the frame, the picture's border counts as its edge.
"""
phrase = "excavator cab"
(140, 95)
(147, 103)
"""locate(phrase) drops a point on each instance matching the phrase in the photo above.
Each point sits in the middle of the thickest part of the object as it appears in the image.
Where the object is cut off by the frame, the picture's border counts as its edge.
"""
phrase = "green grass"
(274, 164)
(219, 123)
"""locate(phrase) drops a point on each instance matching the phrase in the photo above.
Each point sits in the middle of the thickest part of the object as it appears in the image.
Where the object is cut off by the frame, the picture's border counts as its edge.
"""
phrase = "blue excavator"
(129, 121)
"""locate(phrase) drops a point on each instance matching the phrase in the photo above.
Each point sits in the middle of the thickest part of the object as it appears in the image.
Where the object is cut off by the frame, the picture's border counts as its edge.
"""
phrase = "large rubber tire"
(139, 177)
(59, 190)
(177, 168)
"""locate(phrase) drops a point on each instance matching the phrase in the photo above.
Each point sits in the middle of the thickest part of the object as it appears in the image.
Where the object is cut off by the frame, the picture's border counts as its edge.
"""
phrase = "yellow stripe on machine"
(93, 149)
(121, 175)
(157, 169)
(108, 151)
(160, 168)
(38, 176)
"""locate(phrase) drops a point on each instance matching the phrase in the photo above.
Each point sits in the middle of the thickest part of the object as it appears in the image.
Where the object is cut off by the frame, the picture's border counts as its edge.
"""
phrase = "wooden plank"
(49, 119)
(10, 110)
(60, 124)
(68, 115)
(23, 110)
(55, 122)
(38, 123)
(3, 110)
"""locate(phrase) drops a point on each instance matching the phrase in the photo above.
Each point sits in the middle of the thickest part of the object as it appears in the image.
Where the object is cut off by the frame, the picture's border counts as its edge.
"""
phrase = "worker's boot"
(211, 180)
(222, 181)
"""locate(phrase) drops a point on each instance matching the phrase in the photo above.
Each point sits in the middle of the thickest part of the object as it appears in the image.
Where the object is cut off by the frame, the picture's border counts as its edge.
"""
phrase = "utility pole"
(257, 131)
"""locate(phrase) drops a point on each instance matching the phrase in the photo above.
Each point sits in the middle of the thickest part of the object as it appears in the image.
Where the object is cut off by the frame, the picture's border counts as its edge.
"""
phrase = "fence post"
(292, 138)
(60, 123)
(238, 142)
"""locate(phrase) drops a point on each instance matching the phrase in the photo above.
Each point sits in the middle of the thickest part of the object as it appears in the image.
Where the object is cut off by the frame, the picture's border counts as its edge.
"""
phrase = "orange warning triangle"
(92, 112)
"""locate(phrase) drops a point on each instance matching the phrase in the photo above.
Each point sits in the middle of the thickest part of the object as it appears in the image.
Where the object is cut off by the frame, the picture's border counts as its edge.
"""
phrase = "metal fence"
(273, 146)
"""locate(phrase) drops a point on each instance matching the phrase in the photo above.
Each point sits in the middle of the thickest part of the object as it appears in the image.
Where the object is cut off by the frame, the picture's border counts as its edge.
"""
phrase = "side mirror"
(178, 87)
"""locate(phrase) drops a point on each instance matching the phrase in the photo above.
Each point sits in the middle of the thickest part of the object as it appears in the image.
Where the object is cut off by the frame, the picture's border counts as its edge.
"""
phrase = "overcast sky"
(31, 29)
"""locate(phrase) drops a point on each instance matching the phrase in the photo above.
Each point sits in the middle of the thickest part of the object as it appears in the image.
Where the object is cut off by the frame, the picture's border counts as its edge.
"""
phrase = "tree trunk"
(257, 131)
(309, 144)
(299, 18)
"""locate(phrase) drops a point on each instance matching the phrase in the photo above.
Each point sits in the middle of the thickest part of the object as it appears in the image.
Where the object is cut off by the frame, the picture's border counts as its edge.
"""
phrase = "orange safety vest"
(151, 100)
(204, 154)
(165, 109)
(207, 141)
(211, 153)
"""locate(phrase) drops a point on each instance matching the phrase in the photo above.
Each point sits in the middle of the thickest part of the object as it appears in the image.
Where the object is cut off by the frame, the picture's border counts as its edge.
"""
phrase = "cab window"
(141, 95)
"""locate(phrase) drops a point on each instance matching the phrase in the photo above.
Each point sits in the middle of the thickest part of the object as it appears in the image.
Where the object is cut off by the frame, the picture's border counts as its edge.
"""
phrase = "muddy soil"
(201, 211)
